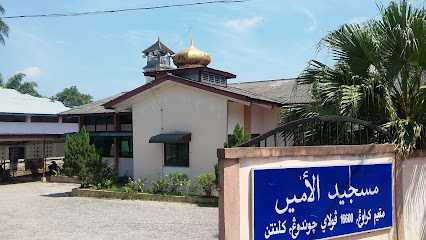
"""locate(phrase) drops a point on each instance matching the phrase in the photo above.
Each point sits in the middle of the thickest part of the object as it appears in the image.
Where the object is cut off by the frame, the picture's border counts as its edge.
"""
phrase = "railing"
(322, 130)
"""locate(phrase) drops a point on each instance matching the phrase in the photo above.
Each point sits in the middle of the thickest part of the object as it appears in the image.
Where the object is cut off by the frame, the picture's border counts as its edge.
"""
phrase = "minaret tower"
(158, 58)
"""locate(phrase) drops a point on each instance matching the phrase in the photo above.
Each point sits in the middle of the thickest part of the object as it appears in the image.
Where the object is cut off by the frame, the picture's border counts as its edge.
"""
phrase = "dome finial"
(191, 57)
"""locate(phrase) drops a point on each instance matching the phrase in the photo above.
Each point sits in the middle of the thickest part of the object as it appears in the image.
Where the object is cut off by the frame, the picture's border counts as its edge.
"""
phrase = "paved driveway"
(45, 211)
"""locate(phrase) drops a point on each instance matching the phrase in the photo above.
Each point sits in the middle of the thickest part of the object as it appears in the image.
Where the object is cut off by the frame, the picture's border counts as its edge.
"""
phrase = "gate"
(322, 130)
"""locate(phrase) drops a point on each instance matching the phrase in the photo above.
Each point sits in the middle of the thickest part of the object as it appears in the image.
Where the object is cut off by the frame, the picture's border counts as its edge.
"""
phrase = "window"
(126, 119)
(126, 147)
(104, 145)
(50, 119)
(99, 123)
(176, 154)
(12, 118)
(70, 119)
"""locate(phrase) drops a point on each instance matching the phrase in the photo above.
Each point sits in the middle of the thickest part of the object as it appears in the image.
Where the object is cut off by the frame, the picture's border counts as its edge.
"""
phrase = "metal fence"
(321, 130)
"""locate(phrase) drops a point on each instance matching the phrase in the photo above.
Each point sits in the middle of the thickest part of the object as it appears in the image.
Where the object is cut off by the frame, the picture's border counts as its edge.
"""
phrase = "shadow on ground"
(58, 195)
(20, 179)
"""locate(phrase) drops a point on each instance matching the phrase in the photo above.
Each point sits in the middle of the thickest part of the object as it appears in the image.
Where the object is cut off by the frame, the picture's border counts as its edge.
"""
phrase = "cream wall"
(125, 165)
(235, 115)
(263, 119)
(175, 107)
(414, 198)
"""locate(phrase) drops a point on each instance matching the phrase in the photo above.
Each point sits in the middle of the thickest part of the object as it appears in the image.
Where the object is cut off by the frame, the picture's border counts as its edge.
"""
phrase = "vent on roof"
(213, 78)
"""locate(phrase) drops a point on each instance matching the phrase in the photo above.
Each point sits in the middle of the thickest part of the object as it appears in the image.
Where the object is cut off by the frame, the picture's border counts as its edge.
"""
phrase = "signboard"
(320, 202)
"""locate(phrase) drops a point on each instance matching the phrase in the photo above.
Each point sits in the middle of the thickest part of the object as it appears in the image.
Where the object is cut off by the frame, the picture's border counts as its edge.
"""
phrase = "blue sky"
(101, 54)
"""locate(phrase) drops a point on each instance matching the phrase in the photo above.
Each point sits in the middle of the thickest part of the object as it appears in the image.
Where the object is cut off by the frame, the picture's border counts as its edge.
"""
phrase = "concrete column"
(247, 119)
(229, 210)
(117, 128)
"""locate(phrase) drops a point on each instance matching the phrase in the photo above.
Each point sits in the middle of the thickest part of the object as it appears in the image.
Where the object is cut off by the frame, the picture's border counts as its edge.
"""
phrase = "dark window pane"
(176, 154)
(126, 147)
(100, 120)
(12, 118)
(44, 119)
(70, 119)
(110, 119)
(183, 154)
(105, 146)
(89, 120)
(126, 119)
(21, 154)
(171, 154)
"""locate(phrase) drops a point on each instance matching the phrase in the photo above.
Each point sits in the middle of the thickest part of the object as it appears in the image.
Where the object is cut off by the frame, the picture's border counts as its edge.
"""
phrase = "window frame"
(175, 165)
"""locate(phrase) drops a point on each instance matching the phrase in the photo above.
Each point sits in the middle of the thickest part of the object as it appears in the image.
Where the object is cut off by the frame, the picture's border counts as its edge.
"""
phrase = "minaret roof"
(158, 46)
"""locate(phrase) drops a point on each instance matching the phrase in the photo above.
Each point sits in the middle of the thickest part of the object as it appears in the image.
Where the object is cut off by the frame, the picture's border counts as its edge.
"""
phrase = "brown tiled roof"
(95, 107)
(273, 92)
(158, 46)
(283, 91)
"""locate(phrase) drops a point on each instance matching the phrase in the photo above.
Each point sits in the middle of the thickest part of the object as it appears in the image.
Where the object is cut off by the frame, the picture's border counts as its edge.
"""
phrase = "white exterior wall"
(263, 119)
(125, 165)
(36, 128)
(179, 108)
(414, 197)
(235, 115)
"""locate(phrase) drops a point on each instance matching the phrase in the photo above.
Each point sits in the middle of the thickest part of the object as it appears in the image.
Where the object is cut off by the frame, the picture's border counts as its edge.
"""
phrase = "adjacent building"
(30, 129)
(177, 120)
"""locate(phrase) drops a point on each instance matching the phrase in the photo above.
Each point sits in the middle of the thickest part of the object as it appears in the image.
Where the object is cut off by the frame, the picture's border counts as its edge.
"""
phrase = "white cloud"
(31, 72)
(314, 23)
(358, 20)
(243, 25)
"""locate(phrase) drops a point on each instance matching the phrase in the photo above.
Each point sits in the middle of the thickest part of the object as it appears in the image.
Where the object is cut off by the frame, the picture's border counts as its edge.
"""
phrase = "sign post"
(321, 202)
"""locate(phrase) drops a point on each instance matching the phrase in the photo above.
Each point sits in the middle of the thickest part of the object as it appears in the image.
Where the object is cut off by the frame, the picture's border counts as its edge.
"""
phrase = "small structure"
(31, 130)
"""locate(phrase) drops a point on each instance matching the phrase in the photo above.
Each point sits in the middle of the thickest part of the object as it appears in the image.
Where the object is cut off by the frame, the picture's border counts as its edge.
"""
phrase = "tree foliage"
(4, 28)
(238, 136)
(16, 82)
(71, 97)
(81, 157)
(379, 75)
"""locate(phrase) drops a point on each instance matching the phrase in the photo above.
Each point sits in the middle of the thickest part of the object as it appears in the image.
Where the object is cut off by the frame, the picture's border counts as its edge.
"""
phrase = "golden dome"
(191, 57)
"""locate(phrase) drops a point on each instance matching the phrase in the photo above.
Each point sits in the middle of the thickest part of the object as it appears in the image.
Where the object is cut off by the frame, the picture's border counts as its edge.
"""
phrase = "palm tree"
(15, 82)
(4, 28)
(379, 74)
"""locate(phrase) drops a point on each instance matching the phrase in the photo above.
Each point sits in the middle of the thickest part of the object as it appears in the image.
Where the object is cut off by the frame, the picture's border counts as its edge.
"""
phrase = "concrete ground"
(38, 210)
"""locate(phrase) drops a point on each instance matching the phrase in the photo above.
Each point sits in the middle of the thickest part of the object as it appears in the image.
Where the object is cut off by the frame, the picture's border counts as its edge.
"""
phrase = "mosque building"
(176, 121)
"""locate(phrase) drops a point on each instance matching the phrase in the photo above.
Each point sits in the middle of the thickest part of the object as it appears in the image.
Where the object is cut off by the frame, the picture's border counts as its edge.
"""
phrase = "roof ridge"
(270, 80)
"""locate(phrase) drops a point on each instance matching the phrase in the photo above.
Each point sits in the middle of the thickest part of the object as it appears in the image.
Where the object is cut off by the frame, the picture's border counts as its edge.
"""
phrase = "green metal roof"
(14, 102)
(179, 137)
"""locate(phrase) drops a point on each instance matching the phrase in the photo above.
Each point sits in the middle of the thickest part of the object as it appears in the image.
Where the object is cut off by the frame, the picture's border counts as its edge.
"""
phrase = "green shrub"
(108, 183)
(81, 158)
(159, 186)
(178, 181)
(130, 186)
(237, 137)
(206, 183)
(141, 184)
(171, 183)
(192, 188)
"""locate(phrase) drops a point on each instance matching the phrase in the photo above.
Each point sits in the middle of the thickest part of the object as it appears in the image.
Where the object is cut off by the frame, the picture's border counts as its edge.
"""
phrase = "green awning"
(171, 138)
